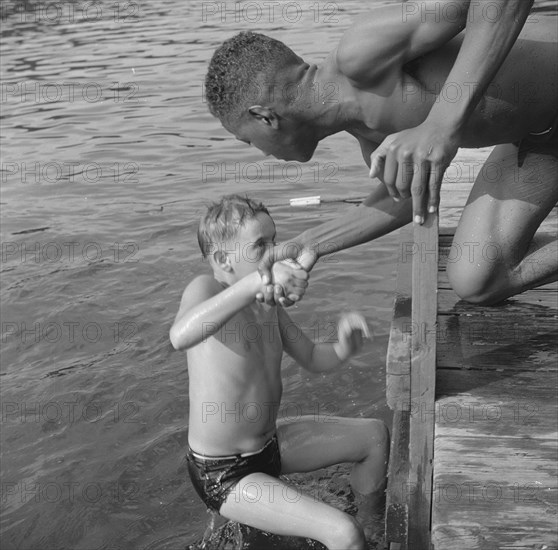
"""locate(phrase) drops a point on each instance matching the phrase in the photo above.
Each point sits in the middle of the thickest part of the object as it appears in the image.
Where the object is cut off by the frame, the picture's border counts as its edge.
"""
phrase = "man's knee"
(476, 283)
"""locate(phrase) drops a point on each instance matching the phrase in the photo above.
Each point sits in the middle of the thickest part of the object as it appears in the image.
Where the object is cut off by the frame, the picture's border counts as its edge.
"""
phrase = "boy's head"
(234, 233)
(251, 81)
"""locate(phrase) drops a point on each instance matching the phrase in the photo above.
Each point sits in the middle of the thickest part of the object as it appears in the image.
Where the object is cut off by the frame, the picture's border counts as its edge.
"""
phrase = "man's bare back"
(520, 100)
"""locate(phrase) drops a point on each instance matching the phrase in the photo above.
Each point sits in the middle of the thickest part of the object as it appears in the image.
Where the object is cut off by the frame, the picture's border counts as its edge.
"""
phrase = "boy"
(384, 76)
(235, 344)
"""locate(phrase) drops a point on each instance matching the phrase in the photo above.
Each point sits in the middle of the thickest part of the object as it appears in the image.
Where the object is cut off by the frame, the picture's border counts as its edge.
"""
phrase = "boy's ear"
(265, 115)
(222, 259)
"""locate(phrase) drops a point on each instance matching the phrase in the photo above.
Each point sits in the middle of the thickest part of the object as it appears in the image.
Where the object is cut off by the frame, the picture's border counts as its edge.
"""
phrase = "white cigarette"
(304, 201)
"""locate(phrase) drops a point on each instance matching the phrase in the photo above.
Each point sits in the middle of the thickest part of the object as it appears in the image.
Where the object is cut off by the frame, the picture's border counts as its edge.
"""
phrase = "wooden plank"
(397, 511)
(500, 341)
(398, 362)
(542, 302)
(475, 536)
(503, 493)
(423, 379)
(492, 404)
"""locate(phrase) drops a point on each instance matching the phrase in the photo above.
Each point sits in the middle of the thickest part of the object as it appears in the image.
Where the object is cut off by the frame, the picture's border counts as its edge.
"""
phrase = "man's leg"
(494, 255)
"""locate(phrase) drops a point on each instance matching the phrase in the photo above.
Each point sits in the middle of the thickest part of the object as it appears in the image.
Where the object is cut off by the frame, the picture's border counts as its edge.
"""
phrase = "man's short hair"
(223, 219)
(236, 69)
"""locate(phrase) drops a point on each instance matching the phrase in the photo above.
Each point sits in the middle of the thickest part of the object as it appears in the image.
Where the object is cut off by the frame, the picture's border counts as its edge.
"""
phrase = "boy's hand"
(278, 292)
(289, 279)
(351, 329)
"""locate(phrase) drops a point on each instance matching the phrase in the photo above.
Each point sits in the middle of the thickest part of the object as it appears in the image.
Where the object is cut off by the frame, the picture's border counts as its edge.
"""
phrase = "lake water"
(109, 155)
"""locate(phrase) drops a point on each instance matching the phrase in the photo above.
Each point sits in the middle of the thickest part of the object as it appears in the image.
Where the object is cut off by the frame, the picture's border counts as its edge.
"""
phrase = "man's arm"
(413, 162)
(376, 216)
(390, 36)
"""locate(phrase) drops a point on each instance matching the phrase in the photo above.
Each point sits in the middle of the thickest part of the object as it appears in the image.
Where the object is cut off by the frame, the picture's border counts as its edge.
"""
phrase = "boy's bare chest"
(254, 336)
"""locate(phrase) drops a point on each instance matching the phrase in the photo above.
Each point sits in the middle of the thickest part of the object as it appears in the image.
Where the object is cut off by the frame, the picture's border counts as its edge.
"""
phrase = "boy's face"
(288, 141)
(252, 240)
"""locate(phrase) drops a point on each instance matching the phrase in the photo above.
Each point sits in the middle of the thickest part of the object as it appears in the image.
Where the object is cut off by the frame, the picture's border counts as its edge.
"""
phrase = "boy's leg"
(315, 442)
(494, 255)
(269, 504)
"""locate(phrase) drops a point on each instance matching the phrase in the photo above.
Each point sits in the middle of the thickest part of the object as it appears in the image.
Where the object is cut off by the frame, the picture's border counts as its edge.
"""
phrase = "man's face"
(289, 141)
(253, 239)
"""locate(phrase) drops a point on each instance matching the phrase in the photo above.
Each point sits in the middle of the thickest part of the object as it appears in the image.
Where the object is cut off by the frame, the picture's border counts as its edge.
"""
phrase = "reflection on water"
(109, 155)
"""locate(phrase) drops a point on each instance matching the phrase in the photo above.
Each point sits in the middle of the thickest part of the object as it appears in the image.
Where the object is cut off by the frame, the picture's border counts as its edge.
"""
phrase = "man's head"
(251, 83)
(234, 233)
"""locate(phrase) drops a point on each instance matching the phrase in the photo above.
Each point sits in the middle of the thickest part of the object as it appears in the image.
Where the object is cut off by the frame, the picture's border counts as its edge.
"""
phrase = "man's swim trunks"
(214, 477)
(545, 142)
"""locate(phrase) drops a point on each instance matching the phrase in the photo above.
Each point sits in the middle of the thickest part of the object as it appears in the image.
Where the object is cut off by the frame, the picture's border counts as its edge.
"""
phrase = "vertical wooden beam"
(423, 379)
(398, 362)
(398, 395)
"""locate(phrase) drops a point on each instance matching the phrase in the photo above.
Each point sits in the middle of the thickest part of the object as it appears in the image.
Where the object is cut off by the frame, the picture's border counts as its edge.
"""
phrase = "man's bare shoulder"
(362, 49)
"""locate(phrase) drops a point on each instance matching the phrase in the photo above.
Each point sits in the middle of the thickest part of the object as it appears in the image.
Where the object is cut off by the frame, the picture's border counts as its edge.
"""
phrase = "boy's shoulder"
(203, 286)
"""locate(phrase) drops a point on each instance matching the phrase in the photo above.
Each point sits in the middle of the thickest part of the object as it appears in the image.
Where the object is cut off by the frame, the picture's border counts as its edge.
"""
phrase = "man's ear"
(221, 258)
(264, 115)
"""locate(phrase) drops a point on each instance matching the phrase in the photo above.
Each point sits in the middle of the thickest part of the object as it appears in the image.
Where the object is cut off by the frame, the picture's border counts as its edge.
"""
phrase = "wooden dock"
(474, 392)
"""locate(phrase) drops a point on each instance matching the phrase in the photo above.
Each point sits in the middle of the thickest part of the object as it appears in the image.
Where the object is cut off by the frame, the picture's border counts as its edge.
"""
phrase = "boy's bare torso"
(522, 98)
(235, 384)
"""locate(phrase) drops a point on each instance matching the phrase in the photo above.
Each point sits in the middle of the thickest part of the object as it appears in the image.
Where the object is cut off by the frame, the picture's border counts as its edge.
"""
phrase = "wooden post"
(423, 380)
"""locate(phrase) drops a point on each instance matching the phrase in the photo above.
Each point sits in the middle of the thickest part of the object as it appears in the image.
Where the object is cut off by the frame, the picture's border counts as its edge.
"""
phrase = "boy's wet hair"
(223, 219)
(234, 77)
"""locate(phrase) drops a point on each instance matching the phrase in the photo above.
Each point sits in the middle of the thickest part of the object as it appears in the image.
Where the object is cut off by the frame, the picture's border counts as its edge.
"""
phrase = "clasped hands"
(285, 269)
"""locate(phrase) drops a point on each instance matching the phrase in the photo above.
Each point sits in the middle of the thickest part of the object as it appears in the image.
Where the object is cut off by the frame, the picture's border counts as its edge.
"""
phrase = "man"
(387, 73)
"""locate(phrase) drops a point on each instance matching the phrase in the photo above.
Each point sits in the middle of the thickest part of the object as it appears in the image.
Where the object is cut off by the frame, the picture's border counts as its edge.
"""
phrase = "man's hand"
(289, 279)
(275, 291)
(412, 163)
(350, 331)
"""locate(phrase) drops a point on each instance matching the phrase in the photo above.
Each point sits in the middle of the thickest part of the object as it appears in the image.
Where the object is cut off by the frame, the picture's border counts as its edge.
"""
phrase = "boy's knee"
(347, 535)
(379, 433)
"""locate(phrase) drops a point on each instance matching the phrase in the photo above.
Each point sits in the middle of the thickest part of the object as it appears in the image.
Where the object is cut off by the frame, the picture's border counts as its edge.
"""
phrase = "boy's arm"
(205, 307)
(431, 146)
(322, 357)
